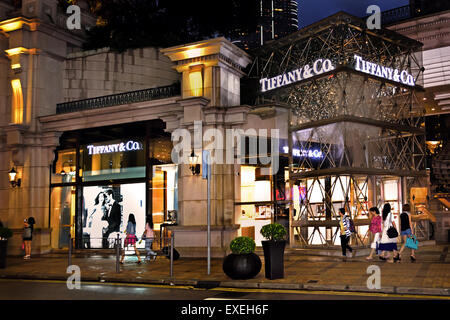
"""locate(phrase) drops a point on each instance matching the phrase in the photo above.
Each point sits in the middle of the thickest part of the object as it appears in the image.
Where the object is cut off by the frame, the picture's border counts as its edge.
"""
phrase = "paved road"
(57, 290)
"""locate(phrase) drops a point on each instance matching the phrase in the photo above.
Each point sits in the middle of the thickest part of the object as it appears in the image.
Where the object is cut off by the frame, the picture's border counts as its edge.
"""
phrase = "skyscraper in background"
(278, 18)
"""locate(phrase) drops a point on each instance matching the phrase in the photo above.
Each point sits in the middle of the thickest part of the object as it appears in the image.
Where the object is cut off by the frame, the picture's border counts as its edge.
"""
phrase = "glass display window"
(256, 207)
(164, 187)
(115, 159)
(62, 216)
(64, 168)
(106, 211)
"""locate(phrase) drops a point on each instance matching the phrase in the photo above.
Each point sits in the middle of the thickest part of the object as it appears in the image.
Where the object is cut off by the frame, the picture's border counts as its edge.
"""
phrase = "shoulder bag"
(392, 231)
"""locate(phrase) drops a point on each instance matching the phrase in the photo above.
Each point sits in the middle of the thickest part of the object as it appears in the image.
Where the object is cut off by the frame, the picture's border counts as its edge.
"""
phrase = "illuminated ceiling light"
(433, 109)
(16, 66)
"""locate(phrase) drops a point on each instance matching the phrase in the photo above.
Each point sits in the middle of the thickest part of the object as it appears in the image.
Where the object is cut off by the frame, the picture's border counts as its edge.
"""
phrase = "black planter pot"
(274, 258)
(241, 266)
(3, 246)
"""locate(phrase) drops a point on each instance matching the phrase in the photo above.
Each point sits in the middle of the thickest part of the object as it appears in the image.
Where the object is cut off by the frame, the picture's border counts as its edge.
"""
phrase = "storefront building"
(330, 112)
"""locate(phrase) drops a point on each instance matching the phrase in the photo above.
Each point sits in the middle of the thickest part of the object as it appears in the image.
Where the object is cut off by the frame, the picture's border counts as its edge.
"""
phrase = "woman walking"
(375, 228)
(406, 229)
(386, 243)
(149, 236)
(27, 236)
(131, 238)
(345, 233)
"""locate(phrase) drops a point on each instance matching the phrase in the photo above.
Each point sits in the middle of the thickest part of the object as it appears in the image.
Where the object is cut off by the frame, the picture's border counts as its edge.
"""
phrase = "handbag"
(412, 242)
(23, 246)
(392, 231)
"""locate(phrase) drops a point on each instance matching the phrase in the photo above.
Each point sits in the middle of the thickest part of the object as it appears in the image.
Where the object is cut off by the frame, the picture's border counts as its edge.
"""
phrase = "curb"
(236, 284)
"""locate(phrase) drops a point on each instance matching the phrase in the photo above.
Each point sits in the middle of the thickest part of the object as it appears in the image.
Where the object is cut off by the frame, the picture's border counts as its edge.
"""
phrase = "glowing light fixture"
(193, 165)
(196, 81)
(17, 102)
(16, 66)
(12, 178)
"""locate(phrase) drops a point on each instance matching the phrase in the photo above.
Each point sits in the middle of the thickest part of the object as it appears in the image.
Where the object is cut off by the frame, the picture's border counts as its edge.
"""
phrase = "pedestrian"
(27, 236)
(406, 229)
(375, 229)
(388, 244)
(149, 236)
(345, 233)
(130, 238)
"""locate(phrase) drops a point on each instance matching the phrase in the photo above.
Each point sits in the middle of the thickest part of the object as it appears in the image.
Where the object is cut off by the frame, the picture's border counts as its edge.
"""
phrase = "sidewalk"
(430, 275)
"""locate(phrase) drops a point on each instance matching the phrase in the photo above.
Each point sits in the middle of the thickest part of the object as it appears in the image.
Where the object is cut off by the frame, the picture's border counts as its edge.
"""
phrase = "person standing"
(131, 238)
(375, 228)
(27, 236)
(149, 236)
(388, 244)
(406, 229)
(345, 233)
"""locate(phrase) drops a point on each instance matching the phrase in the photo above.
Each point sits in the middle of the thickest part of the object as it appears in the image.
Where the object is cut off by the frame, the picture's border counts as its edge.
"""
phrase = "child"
(149, 236)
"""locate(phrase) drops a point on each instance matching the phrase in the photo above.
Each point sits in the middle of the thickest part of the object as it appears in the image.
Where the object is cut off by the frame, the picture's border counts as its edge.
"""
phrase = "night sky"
(311, 11)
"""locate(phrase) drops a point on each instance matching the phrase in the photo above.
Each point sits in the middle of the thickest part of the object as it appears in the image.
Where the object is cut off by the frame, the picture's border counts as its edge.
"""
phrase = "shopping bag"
(412, 242)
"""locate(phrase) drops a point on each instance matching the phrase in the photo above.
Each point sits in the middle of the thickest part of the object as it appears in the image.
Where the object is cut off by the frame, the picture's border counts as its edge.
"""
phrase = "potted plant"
(5, 233)
(242, 263)
(274, 250)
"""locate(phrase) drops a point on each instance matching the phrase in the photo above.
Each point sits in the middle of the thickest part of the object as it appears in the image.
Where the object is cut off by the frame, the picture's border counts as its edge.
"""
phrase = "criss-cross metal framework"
(369, 129)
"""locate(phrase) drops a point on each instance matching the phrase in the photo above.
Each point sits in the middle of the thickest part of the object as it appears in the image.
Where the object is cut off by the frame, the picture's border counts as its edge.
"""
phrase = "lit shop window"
(256, 205)
(64, 169)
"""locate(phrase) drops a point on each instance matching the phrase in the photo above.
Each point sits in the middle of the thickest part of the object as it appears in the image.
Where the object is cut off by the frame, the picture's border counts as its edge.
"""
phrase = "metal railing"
(119, 99)
(165, 248)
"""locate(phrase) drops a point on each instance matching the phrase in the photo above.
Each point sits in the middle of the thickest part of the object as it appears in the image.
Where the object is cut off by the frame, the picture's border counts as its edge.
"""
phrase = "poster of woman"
(108, 208)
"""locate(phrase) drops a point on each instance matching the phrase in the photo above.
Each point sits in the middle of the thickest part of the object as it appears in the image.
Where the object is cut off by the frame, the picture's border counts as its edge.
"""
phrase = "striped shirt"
(345, 225)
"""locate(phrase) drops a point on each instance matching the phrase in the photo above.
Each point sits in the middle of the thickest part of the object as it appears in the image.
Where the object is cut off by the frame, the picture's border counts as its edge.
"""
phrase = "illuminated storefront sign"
(116, 147)
(318, 67)
(321, 66)
(303, 153)
(383, 72)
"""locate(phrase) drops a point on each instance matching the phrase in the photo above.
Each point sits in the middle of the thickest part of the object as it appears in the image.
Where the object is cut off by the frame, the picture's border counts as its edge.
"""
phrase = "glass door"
(62, 216)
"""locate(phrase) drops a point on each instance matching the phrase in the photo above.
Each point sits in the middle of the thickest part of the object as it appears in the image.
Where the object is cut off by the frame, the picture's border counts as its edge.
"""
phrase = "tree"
(124, 24)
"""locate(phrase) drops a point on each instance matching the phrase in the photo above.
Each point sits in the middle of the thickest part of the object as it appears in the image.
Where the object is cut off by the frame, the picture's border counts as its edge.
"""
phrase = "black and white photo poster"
(106, 213)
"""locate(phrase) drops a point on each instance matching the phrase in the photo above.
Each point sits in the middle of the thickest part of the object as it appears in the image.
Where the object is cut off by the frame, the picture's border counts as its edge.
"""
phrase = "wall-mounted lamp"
(193, 165)
(12, 178)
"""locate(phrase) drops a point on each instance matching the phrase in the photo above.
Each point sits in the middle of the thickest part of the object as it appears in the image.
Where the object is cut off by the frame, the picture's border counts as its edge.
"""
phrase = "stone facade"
(102, 72)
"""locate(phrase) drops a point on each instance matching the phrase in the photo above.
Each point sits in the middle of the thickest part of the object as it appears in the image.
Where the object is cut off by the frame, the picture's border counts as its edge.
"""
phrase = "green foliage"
(273, 231)
(242, 245)
(5, 233)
